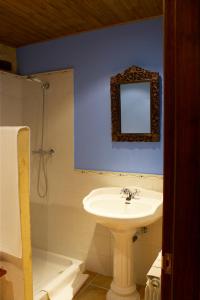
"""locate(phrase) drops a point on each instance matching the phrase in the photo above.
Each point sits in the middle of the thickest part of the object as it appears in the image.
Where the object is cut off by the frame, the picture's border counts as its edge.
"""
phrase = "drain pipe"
(139, 232)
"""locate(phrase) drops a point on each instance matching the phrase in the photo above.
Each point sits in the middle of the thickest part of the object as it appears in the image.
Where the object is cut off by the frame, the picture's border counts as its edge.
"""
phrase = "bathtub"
(55, 276)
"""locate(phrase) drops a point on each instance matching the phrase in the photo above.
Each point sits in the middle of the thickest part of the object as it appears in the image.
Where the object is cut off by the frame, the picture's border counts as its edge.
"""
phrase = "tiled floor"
(96, 288)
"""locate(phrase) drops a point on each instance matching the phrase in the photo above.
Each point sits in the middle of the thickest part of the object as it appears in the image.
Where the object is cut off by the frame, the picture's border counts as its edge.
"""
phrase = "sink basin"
(122, 216)
(109, 207)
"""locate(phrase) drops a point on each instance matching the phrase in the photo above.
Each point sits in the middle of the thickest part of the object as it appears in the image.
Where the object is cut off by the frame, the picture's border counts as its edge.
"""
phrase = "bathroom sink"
(123, 211)
(110, 208)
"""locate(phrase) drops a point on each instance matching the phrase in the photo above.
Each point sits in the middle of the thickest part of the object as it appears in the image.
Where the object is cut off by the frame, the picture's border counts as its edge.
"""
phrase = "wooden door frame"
(181, 213)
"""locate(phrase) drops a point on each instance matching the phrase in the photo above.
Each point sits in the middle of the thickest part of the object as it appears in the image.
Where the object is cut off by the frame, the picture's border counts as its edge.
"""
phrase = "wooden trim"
(135, 74)
(181, 222)
(169, 140)
(24, 198)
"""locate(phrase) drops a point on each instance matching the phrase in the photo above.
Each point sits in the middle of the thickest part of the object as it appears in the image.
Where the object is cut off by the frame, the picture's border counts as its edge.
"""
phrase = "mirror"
(135, 105)
(135, 118)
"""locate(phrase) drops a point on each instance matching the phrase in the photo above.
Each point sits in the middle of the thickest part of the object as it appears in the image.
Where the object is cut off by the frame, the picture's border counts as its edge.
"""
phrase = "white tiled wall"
(11, 99)
(58, 222)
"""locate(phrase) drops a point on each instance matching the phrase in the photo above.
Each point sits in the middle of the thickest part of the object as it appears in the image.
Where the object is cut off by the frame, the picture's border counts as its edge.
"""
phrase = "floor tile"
(92, 293)
(97, 286)
(102, 281)
(141, 290)
(92, 275)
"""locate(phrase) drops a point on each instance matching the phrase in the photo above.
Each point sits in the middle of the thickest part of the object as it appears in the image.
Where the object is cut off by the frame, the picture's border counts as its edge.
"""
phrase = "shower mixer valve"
(44, 152)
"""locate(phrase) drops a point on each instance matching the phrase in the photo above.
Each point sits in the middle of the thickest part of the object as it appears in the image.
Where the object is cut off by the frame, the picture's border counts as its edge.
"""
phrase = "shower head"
(44, 84)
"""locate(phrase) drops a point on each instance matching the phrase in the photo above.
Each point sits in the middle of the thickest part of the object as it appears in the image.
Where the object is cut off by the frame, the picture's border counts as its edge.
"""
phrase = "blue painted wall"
(95, 57)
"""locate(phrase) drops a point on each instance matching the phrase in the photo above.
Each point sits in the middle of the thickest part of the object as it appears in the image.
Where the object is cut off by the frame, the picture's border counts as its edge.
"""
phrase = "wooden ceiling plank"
(100, 11)
(19, 24)
(24, 21)
(82, 12)
(59, 11)
(39, 20)
(122, 12)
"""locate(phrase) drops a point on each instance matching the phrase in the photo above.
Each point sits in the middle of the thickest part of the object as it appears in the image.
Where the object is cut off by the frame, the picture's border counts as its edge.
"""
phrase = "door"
(181, 217)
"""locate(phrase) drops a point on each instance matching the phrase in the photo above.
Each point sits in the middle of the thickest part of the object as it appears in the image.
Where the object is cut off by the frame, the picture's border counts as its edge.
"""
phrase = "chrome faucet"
(128, 194)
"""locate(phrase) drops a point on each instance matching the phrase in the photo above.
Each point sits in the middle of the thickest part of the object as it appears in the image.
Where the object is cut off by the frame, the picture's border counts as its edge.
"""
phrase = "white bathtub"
(56, 277)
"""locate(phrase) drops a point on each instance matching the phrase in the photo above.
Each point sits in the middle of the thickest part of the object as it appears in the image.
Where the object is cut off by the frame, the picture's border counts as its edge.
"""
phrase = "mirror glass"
(135, 104)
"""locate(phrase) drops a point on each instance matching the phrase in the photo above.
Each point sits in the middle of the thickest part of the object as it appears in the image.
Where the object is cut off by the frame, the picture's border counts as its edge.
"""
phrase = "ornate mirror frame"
(135, 74)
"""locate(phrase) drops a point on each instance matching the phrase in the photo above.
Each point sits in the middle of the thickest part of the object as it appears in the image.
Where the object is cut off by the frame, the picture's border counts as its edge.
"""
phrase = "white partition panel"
(10, 226)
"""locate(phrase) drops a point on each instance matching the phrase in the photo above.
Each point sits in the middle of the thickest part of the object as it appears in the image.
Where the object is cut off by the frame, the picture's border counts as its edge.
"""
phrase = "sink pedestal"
(123, 286)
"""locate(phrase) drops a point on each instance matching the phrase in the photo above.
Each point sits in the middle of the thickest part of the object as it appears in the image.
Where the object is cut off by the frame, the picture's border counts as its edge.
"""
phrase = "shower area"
(57, 275)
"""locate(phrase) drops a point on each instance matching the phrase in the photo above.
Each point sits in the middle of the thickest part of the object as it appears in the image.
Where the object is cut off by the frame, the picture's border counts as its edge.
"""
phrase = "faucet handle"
(136, 193)
(124, 191)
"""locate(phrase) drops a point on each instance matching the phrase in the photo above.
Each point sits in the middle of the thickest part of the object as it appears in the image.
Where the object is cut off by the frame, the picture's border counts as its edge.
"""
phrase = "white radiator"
(152, 290)
(153, 285)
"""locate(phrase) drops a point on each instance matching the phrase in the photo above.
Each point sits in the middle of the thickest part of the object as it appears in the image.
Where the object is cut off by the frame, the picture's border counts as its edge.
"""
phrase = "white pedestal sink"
(122, 219)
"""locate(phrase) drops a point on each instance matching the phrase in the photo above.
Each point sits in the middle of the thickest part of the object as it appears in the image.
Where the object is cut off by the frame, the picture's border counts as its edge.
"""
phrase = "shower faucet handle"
(51, 151)
(44, 152)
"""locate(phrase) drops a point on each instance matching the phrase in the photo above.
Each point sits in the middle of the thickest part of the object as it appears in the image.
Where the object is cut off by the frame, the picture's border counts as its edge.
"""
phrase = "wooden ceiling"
(24, 22)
